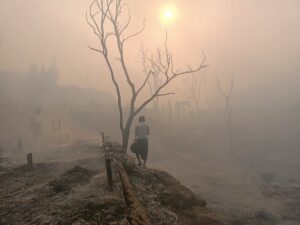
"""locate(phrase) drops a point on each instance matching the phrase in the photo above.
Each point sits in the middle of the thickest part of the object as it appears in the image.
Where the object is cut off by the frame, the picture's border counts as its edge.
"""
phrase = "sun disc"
(168, 14)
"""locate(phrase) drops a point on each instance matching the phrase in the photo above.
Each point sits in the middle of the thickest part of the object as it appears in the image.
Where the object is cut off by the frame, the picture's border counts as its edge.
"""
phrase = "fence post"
(29, 161)
(109, 173)
(108, 160)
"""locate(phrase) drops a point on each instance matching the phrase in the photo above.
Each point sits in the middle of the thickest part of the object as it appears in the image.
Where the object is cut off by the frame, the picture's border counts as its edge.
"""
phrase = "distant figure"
(142, 132)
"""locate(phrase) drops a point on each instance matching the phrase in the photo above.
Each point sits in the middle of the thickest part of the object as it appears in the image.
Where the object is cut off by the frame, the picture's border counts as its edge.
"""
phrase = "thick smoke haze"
(255, 41)
(230, 132)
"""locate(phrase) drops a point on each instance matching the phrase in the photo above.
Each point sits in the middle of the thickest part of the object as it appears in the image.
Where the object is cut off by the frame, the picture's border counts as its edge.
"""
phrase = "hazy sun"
(169, 14)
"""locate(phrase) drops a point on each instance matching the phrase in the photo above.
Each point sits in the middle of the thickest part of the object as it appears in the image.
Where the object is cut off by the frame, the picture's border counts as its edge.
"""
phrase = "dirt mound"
(107, 211)
(85, 211)
(25, 176)
(56, 193)
(27, 197)
(70, 179)
(167, 202)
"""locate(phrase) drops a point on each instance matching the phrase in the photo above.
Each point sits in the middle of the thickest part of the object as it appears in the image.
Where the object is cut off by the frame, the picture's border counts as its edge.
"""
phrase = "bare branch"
(93, 27)
(135, 34)
(159, 68)
(123, 28)
(166, 94)
(96, 26)
(95, 49)
(200, 67)
(164, 68)
(145, 82)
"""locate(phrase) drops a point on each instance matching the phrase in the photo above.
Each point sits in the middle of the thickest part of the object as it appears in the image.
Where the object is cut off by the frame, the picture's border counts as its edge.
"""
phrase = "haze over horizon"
(256, 41)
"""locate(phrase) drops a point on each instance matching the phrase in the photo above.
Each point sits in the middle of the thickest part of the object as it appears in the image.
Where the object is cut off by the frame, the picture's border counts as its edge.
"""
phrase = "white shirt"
(142, 131)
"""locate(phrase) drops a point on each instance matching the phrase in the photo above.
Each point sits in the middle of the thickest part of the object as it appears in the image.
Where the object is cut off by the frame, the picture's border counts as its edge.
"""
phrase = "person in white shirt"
(142, 132)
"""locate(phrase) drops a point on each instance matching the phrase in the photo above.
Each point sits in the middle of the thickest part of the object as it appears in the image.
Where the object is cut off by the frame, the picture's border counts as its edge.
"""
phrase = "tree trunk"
(126, 133)
(125, 139)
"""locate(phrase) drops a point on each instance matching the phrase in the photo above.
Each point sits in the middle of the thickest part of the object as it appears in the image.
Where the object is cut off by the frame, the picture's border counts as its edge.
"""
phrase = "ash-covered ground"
(242, 188)
(68, 186)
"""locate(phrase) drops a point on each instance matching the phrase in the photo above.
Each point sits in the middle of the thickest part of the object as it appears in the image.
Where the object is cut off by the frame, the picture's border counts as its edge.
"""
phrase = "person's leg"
(145, 152)
(138, 157)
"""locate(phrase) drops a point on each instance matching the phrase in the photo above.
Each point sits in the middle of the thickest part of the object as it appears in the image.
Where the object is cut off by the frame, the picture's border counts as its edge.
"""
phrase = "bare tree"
(107, 19)
(195, 89)
(227, 97)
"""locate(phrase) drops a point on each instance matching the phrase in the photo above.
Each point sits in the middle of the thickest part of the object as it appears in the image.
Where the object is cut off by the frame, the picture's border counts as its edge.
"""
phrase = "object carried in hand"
(134, 147)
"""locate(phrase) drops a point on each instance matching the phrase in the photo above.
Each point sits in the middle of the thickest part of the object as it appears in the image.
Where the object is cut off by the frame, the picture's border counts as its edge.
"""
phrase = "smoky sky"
(257, 41)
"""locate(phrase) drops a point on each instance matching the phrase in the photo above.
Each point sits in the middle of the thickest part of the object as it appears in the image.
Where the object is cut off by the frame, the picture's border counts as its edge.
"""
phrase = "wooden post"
(109, 173)
(103, 139)
(108, 156)
(29, 161)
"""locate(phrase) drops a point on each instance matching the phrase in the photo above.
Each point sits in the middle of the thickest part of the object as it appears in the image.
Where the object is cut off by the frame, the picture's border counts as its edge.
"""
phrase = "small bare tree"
(227, 97)
(107, 19)
(195, 89)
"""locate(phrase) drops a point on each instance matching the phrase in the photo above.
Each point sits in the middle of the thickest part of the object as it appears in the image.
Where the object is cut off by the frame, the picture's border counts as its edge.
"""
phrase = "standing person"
(142, 132)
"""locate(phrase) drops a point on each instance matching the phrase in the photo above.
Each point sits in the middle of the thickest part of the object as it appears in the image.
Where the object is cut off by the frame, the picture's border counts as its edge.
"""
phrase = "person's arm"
(148, 130)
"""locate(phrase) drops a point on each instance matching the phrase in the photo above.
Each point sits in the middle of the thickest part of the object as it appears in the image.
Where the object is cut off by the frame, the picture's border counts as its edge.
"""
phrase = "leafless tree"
(107, 19)
(227, 97)
(195, 89)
